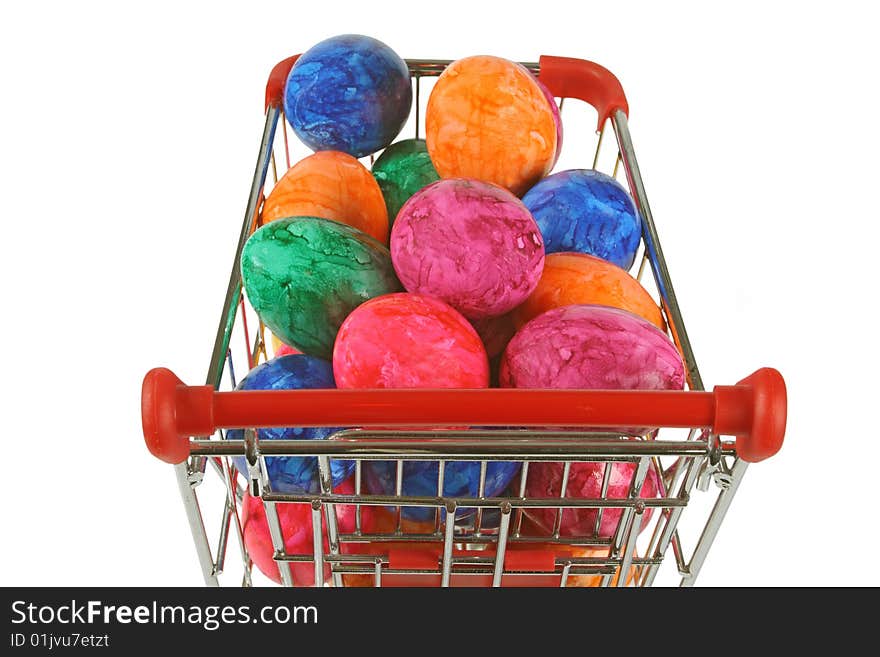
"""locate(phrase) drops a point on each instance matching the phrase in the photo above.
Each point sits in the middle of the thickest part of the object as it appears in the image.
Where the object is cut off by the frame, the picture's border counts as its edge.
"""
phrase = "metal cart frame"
(753, 411)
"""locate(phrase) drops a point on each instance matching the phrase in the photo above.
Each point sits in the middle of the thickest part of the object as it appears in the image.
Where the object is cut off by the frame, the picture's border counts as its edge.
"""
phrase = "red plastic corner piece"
(277, 80)
(172, 412)
(755, 410)
(568, 77)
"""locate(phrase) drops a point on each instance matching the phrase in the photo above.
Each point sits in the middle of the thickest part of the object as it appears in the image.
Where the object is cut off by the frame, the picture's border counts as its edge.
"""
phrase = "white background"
(127, 144)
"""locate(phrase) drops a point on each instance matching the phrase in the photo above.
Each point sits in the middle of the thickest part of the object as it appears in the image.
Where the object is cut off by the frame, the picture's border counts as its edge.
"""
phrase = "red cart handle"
(567, 77)
(277, 80)
(754, 410)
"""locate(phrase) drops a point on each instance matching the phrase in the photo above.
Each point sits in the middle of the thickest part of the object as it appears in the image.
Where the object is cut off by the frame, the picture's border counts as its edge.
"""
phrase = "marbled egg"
(470, 243)
(295, 520)
(488, 119)
(586, 211)
(403, 169)
(408, 341)
(593, 347)
(579, 278)
(348, 93)
(291, 474)
(304, 275)
(585, 482)
(330, 185)
(415, 341)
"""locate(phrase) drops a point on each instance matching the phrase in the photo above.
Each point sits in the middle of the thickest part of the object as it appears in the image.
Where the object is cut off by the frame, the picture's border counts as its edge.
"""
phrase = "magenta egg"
(591, 347)
(470, 243)
(585, 482)
(595, 347)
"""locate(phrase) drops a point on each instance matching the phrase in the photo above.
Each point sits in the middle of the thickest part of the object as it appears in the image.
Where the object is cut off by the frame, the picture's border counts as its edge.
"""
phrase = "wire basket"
(362, 539)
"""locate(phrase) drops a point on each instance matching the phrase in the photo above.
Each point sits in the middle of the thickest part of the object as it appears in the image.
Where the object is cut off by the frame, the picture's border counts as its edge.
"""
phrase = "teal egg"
(304, 275)
(403, 169)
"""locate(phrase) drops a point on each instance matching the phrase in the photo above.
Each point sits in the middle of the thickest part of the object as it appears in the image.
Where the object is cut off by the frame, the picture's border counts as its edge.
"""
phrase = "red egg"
(296, 527)
(408, 341)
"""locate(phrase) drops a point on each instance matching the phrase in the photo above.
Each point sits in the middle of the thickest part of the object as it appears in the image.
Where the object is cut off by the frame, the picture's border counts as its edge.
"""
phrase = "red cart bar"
(754, 410)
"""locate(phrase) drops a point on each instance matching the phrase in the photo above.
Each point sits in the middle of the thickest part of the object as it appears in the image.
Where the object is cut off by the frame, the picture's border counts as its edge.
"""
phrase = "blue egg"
(588, 212)
(292, 474)
(460, 479)
(349, 93)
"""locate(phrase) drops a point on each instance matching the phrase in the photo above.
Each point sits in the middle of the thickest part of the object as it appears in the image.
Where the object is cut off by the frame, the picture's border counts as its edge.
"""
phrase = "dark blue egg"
(291, 474)
(349, 93)
(588, 212)
(460, 479)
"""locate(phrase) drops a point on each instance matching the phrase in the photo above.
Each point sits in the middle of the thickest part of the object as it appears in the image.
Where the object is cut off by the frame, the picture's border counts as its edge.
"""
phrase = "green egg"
(403, 169)
(304, 275)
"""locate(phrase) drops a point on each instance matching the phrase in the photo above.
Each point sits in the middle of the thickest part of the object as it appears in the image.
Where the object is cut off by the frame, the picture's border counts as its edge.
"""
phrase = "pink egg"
(592, 347)
(598, 347)
(408, 341)
(472, 244)
(585, 481)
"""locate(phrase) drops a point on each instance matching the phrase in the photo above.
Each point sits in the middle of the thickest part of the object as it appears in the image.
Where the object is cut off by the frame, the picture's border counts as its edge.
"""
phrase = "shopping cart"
(494, 543)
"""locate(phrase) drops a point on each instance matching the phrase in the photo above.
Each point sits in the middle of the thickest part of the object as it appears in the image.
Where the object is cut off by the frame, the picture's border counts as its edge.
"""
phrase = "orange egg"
(488, 119)
(330, 185)
(579, 278)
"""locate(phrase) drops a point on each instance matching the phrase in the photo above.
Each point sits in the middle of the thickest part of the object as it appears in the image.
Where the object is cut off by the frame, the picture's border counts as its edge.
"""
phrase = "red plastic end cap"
(755, 410)
(567, 77)
(277, 80)
(166, 439)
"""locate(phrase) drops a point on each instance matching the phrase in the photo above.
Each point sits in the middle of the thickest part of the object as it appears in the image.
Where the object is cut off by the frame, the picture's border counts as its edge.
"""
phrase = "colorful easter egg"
(472, 244)
(415, 341)
(304, 275)
(585, 482)
(330, 185)
(586, 211)
(348, 93)
(488, 119)
(592, 347)
(403, 169)
(579, 278)
(408, 341)
(422, 478)
(290, 474)
(296, 528)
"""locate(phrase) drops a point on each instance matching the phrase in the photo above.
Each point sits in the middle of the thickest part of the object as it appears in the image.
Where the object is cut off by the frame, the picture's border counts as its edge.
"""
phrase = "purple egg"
(594, 347)
(471, 244)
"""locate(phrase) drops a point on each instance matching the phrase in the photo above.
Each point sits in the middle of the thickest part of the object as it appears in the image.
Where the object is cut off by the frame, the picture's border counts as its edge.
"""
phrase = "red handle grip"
(277, 80)
(754, 410)
(568, 77)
